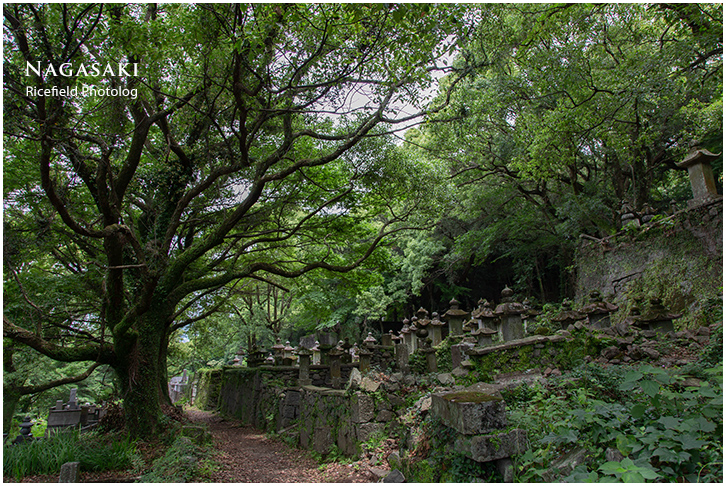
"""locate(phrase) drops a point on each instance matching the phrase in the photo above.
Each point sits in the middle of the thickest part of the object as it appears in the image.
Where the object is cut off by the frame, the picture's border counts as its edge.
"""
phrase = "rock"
(394, 460)
(384, 416)
(612, 454)
(636, 353)
(491, 447)
(506, 469)
(647, 333)
(702, 339)
(355, 379)
(425, 404)
(610, 352)
(565, 464)
(366, 431)
(704, 331)
(460, 372)
(378, 473)
(198, 435)
(396, 377)
(681, 334)
(395, 476)
(69, 472)
(362, 408)
(478, 409)
(570, 328)
(564, 333)
(622, 328)
(556, 372)
(409, 380)
(392, 386)
(651, 353)
(547, 371)
(367, 384)
(691, 381)
(445, 378)
(396, 401)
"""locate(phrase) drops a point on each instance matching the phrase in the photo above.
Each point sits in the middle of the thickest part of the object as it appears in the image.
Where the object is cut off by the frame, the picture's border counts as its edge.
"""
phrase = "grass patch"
(94, 451)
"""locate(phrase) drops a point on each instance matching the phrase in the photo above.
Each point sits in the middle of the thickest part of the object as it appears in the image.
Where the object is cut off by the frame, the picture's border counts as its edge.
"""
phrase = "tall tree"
(229, 153)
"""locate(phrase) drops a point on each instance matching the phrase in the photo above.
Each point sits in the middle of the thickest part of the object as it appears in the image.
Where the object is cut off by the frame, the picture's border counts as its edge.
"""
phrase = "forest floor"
(246, 455)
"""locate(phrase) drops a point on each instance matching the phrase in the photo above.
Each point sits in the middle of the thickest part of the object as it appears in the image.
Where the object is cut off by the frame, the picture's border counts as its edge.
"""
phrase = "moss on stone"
(470, 397)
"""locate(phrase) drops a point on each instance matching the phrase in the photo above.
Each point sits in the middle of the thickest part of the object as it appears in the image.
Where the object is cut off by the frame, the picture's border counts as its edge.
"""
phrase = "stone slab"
(363, 408)
(366, 431)
(478, 409)
(492, 447)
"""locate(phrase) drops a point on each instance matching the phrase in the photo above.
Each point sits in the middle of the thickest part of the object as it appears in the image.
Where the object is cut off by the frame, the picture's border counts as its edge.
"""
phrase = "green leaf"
(690, 442)
(612, 467)
(638, 410)
(650, 387)
(623, 444)
(670, 423)
(632, 477)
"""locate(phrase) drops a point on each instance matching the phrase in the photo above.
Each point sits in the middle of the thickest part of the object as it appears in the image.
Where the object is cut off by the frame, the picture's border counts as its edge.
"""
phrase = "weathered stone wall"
(679, 260)
(562, 351)
(208, 389)
(320, 418)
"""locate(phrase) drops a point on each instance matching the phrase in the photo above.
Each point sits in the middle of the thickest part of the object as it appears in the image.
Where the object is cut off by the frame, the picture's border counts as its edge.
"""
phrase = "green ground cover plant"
(94, 451)
(664, 425)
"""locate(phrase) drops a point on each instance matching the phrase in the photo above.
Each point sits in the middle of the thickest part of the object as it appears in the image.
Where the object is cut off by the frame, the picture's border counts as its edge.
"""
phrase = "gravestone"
(69, 472)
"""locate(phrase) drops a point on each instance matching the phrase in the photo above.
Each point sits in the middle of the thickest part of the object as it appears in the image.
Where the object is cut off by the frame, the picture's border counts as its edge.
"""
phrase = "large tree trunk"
(10, 403)
(143, 375)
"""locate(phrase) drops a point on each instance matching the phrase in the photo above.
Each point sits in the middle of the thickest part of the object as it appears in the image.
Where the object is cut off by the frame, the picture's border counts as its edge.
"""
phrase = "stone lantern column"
(455, 317)
(436, 325)
(304, 375)
(364, 359)
(287, 354)
(334, 356)
(698, 162)
(316, 353)
(407, 336)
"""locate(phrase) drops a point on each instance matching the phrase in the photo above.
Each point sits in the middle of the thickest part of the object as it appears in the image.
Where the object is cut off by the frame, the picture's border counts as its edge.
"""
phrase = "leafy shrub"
(180, 463)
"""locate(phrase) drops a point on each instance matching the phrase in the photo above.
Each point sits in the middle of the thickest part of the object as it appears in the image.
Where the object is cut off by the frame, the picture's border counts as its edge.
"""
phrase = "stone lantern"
(369, 341)
(422, 324)
(25, 434)
(567, 315)
(698, 162)
(657, 318)
(485, 316)
(387, 340)
(287, 354)
(510, 316)
(235, 361)
(270, 360)
(455, 317)
(598, 311)
(334, 356)
(436, 324)
(278, 351)
(407, 335)
(413, 327)
(257, 357)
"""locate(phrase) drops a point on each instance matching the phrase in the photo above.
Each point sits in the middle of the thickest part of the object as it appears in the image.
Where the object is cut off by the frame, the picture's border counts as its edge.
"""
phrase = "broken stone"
(613, 455)
(355, 379)
(445, 378)
(460, 372)
(478, 409)
(362, 408)
(506, 469)
(394, 460)
(491, 447)
(395, 476)
(565, 464)
(610, 352)
(384, 416)
(651, 353)
(367, 384)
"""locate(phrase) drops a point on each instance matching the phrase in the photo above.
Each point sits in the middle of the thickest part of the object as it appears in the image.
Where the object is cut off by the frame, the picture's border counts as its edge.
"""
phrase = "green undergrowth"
(658, 424)
(184, 461)
(94, 451)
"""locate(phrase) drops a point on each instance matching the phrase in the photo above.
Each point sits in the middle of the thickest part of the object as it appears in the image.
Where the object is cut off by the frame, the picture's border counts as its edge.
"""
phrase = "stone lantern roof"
(454, 311)
(435, 321)
(597, 305)
(656, 312)
(369, 341)
(508, 306)
(484, 310)
(567, 315)
(485, 331)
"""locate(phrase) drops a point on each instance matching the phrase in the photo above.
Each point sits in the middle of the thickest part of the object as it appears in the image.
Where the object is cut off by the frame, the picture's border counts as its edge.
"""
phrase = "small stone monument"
(698, 162)
(334, 356)
(304, 374)
(316, 353)
(628, 218)
(69, 472)
(657, 318)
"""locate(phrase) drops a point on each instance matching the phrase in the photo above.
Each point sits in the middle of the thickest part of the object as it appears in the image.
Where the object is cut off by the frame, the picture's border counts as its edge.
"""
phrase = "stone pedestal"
(365, 360)
(334, 357)
(402, 357)
(478, 409)
(431, 364)
(455, 317)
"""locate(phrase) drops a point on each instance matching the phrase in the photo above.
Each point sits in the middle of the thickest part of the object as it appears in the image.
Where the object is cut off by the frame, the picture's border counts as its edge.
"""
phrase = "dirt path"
(247, 456)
